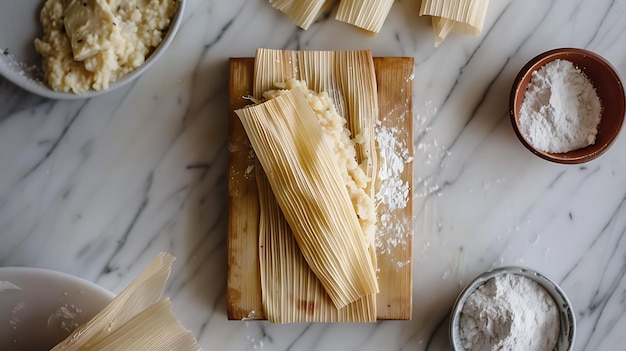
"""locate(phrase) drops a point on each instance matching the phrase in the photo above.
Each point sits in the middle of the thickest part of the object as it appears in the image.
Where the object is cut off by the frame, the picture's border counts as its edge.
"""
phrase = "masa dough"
(89, 44)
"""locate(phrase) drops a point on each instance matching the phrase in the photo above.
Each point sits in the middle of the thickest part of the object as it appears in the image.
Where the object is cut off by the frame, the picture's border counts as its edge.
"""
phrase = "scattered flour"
(393, 191)
(65, 317)
(561, 110)
(255, 337)
(511, 313)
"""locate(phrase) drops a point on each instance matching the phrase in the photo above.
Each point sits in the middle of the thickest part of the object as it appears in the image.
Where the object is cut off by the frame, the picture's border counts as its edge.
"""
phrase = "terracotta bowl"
(604, 78)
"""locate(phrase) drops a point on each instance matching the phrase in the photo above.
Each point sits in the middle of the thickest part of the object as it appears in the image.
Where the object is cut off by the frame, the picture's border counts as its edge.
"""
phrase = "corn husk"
(460, 16)
(302, 13)
(303, 172)
(349, 79)
(136, 319)
(290, 290)
(312, 194)
(347, 76)
(366, 14)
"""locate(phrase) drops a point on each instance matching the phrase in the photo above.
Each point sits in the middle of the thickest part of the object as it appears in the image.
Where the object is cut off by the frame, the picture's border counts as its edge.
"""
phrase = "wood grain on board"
(394, 76)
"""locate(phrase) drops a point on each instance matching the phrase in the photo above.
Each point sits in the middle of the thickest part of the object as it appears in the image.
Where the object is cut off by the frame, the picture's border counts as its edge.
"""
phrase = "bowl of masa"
(71, 49)
(567, 105)
(512, 308)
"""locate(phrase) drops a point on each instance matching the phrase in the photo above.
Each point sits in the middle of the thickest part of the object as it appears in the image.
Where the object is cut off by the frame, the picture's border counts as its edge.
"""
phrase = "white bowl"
(39, 308)
(20, 63)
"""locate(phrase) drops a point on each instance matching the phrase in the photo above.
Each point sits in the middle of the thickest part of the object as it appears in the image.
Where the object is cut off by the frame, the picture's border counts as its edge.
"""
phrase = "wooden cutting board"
(394, 77)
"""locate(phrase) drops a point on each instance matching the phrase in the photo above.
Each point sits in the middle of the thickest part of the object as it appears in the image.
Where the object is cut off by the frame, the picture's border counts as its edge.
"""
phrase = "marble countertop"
(98, 187)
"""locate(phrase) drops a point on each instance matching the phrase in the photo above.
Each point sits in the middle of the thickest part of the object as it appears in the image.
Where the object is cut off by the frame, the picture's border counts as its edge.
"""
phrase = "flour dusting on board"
(393, 191)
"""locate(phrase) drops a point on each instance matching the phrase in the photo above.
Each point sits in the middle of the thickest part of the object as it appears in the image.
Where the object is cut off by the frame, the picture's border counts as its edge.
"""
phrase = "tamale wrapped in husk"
(312, 194)
(350, 78)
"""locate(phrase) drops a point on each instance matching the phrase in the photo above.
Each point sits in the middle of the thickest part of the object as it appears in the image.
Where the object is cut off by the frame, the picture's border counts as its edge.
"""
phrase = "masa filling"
(89, 44)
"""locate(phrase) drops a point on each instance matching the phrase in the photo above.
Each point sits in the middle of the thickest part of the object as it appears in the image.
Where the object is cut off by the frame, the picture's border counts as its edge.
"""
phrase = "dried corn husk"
(290, 290)
(136, 319)
(460, 16)
(349, 79)
(312, 194)
(367, 14)
(155, 328)
(302, 13)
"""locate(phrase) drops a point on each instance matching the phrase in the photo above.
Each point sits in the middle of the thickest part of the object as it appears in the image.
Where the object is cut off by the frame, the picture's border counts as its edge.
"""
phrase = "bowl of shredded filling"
(69, 49)
(567, 105)
(513, 309)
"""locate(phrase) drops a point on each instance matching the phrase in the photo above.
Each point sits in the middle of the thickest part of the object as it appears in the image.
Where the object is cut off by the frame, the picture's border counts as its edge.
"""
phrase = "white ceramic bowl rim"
(566, 311)
(26, 78)
(46, 304)
(31, 272)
